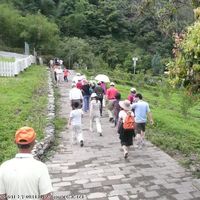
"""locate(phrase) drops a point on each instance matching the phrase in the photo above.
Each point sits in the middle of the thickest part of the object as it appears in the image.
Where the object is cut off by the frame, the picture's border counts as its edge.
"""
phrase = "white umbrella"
(102, 77)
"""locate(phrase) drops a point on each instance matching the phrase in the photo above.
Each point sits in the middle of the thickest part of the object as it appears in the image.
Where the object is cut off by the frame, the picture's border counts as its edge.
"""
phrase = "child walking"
(66, 73)
(75, 120)
(95, 114)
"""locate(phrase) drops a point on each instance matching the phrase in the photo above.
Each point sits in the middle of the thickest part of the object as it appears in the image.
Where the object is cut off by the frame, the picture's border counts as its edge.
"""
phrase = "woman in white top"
(59, 74)
(125, 135)
(95, 114)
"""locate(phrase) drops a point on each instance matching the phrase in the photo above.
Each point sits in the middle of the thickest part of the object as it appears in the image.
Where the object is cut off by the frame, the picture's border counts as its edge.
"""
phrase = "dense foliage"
(185, 69)
(114, 30)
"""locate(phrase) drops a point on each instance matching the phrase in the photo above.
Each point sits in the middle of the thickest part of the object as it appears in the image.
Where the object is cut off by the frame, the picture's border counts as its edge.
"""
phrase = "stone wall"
(41, 147)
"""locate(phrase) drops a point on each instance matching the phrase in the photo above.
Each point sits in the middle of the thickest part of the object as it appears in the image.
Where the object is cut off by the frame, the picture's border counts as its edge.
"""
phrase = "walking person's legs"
(73, 136)
(140, 134)
(101, 105)
(58, 78)
(110, 110)
(115, 120)
(55, 77)
(98, 125)
(79, 135)
(142, 138)
(85, 103)
(125, 149)
(91, 124)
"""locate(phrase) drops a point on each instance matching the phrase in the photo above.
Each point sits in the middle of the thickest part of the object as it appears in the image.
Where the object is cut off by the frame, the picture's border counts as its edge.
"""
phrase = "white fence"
(8, 68)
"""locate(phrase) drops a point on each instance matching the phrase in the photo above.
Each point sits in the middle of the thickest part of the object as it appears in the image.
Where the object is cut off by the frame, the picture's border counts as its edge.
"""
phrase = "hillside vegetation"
(23, 102)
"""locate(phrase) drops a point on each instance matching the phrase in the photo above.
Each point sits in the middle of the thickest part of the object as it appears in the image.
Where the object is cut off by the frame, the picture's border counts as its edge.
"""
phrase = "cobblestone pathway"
(99, 171)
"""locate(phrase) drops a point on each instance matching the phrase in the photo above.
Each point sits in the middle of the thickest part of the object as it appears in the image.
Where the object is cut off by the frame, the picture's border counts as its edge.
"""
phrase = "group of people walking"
(86, 97)
(23, 177)
(61, 73)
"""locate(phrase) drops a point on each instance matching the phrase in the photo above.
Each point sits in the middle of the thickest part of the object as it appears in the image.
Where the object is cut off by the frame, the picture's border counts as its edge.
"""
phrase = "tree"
(185, 69)
(9, 23)
(73, 49)
(39, 33)
(156, 64)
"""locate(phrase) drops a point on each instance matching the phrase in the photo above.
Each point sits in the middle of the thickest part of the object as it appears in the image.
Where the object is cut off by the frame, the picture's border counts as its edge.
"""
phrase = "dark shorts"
(140, 127)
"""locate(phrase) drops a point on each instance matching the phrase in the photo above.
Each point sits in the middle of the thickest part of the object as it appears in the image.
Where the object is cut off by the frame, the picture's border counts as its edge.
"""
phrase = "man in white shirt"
(24, 177)
(75, 95)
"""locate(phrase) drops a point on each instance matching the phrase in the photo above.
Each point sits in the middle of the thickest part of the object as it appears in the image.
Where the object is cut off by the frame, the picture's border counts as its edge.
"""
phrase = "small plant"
(187, 101)
(166, 90)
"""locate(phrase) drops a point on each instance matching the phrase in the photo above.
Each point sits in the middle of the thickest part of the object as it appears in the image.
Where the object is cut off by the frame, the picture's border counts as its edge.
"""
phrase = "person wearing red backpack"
(126, 125)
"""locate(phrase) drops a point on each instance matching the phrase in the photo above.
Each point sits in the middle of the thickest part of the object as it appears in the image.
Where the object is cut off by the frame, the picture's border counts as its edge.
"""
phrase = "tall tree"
(39, 33)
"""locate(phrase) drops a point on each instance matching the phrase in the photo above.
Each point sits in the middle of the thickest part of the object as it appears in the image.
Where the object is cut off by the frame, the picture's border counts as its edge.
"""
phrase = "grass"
(23, 102)
(173, 130)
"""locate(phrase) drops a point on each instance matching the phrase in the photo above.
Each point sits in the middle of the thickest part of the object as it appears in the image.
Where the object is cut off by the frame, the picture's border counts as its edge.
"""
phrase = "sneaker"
(81, 143)
(111, 119)
(126, 155)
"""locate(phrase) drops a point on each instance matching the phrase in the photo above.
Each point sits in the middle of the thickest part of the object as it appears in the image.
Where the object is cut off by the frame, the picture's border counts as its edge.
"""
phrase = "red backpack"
(129, 123)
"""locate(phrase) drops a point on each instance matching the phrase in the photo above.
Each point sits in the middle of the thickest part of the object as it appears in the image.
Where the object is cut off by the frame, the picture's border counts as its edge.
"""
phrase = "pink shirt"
(111, 93)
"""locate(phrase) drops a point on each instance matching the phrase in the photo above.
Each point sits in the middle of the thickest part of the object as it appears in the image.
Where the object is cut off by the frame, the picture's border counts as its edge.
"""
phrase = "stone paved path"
(99, 171)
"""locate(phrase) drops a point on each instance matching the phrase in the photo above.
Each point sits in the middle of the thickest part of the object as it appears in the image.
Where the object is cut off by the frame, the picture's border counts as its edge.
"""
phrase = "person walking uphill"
(126, 126)
(75, 119)
(131, 96)
(75, 95)
(141, 109)
(95, 105)
(110, 96)
(100, 93)
(24, 177)
(86, 95)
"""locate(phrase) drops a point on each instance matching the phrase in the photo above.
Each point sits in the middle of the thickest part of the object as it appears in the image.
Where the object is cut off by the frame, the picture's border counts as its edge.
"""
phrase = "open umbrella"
(102, 77)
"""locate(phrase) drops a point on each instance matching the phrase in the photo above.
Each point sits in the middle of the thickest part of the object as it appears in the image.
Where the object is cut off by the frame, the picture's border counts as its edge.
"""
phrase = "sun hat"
(126, 105)
(112, 84)
(133, 89)
(93, 95)
(25, 135)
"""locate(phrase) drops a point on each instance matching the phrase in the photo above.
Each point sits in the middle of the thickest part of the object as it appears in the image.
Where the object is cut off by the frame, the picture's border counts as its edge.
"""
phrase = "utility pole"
(134, 59)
